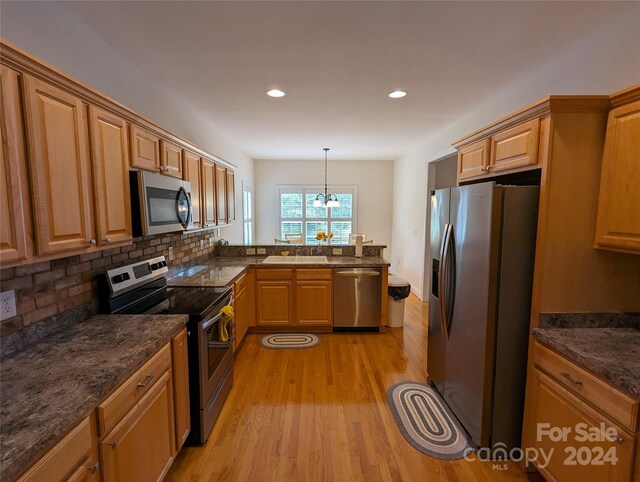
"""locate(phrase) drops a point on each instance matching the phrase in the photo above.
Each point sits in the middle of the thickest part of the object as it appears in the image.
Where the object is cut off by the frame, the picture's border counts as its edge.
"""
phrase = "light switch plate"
(337, 251)
(262, 250)
(251, 251)
(7, 305)
(171, 255)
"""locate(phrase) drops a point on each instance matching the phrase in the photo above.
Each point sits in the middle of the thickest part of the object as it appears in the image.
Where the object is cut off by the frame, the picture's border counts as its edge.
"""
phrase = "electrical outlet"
(210, 241)
(171, 255)
(251, 251)
(337, 251)
(201, 243)
(261, 250)
(7, 304)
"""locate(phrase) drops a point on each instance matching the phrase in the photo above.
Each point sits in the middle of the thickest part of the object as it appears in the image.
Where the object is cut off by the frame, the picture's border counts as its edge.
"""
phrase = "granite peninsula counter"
(50, 387)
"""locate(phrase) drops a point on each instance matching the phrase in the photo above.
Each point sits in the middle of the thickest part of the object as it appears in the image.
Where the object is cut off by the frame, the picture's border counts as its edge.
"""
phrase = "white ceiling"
(337, 61)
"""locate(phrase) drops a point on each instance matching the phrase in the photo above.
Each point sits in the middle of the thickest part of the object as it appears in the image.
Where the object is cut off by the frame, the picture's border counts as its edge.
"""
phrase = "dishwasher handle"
(356, 273)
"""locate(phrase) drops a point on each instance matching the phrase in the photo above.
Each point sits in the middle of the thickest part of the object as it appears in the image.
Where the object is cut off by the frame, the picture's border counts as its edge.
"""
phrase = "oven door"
(165, 203)
(215, 356)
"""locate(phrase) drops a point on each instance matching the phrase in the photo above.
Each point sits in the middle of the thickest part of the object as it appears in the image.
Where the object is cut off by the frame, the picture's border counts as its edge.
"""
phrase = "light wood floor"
(321, 414)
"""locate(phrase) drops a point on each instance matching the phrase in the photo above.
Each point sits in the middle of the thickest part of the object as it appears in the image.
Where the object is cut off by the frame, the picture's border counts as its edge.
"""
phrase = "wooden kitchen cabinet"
(110, 162)
(145, 149)
(274, 297)
(314, 297)
(244, 295)
(142, 446)
(193, 174)
(73, 459)
(221, 194)
(208, 193)
(15, 217)
(551, 403)
(231, 196)
(618, 221)
(515, 147)
(180, 371)
(473, 159)
(60, 169)
(171, 159)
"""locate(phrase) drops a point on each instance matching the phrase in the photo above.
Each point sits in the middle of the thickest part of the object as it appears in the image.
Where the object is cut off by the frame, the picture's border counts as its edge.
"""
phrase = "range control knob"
(119, 278)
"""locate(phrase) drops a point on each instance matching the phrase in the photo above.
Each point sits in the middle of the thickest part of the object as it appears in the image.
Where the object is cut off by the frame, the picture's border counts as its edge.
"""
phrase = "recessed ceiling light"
(396, 94)
(276, 93)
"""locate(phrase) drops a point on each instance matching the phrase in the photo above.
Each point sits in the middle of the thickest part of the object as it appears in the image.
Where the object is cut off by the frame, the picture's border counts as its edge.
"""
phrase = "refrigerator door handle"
(450, 281)
(442, 280)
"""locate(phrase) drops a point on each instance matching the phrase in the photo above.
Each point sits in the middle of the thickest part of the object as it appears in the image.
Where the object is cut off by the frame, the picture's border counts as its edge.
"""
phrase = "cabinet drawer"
(515, 147)
(313, 274)
(614, 404)
(275, 274)
(473, 159)
(71, 456)
(111, 411)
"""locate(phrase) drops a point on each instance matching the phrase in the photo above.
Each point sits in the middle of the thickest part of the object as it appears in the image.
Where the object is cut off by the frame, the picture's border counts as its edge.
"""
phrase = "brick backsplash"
(52, 294)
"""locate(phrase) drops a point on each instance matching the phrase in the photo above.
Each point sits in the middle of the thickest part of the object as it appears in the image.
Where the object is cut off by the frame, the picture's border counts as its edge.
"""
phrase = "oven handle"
(158, 308)
(211, 321)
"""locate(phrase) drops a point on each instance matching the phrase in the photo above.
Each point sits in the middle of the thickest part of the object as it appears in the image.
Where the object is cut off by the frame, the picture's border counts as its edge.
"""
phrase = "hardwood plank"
(322, 415)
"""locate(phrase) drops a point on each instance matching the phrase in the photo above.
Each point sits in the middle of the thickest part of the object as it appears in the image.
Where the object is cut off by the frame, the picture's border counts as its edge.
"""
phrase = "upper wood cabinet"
(59, 167)
(618, 222)
(208, 193)
(145, 149)
(473, 159)
(231, 196)
(180, 370)
(110, 156)
(221, 194)
(170, 159)
(515, 147)
(15, 219)
(193, 174)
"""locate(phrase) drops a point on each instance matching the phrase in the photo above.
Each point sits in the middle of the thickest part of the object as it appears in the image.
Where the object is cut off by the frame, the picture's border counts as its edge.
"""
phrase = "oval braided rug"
(286, 341)
(426, 422)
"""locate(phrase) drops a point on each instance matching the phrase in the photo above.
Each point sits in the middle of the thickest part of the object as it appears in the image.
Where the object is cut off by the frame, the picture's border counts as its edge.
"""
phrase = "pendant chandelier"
(326, 200)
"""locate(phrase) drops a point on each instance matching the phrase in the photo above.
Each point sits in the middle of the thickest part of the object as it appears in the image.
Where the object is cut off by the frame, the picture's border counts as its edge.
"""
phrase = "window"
(298, 215)
(247, 213)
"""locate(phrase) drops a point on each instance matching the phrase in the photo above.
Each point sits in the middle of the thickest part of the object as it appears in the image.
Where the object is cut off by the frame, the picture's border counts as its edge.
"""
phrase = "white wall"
(373, 178)
(603, 61)
(54, 34)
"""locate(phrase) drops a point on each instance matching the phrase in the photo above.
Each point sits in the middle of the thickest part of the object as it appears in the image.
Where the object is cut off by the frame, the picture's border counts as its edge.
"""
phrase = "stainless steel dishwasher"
(357, 299)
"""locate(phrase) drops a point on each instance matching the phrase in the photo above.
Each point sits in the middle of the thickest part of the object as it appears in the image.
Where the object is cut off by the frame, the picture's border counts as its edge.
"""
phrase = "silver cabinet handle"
(569, 378)
(107, 240)
(92, 242)
(146, 381)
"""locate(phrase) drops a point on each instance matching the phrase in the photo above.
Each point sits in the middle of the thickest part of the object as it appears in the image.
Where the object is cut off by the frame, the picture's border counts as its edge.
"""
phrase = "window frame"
(305, 189)
(247, 187)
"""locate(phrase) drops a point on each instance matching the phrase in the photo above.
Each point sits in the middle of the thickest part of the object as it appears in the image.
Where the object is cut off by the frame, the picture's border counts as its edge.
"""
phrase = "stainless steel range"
(141, 288)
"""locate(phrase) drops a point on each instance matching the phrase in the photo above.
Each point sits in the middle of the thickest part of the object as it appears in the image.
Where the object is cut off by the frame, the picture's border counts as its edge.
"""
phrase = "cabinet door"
(314, 303)
(170, 159)
(473, 160)
(618, 223)
(231, 196)
(554, 407)
(208, 193)
(141, 447)
(14, 192)
(242, 315)
(110, 151)
(60, 169)
(145, 149)
(515, 147)
(274, 302)
(180, 369)
(221, 194)
(193, 174)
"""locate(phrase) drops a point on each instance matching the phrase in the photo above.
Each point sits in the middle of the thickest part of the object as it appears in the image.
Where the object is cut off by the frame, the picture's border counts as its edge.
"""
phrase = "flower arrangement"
(322, 236)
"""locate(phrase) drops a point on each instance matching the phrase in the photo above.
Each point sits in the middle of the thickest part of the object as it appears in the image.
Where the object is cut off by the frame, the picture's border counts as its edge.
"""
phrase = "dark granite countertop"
(221, 271)
(611, 353)
(50, 387)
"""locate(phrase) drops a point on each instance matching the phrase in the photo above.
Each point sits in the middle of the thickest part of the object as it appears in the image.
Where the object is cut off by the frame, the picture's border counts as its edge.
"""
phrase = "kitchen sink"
(295, 260)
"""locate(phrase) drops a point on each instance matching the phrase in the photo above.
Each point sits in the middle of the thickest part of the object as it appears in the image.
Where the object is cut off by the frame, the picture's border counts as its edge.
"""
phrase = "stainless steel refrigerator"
(482, 245)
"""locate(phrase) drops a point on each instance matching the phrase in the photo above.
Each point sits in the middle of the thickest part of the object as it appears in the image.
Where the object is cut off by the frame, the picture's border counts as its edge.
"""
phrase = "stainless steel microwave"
(159, 204)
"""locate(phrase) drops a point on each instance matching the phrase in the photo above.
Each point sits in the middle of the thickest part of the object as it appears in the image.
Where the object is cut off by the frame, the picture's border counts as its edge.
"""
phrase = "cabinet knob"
(114, 444)
(92, 242)
(570, 378)
(95, 467)
(107, 240)
(619, 439)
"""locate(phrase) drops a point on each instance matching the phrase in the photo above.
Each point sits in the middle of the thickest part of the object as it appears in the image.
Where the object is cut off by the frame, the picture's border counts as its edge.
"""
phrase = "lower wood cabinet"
(244, 296)
(142, 446)
(180, 370)
(294, 298)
